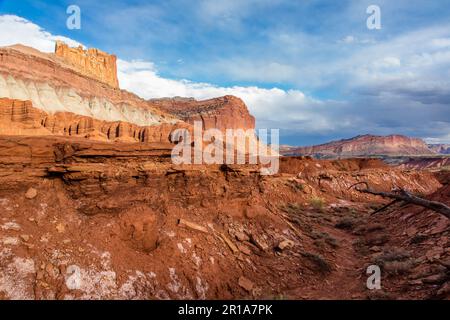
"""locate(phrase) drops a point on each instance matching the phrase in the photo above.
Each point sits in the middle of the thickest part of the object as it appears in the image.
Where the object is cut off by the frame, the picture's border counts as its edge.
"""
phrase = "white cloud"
(15, 30)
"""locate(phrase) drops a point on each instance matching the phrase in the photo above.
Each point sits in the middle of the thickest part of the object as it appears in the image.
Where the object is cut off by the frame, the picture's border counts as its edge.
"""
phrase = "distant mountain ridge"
(364, 145)
(440, 148)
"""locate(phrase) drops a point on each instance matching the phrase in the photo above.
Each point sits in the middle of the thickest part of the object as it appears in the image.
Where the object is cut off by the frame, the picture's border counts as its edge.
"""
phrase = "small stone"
(285, 244)
(66, 241)
(259, 243)
(10, 241)
(241, 236)
(31, 193)
(435, 279)
(11, 226)
(245, 283)
(60, 228)
(39, 275)
(245, 250)
(49, 268)
(25, 237)
(444, 290)
(80, 249)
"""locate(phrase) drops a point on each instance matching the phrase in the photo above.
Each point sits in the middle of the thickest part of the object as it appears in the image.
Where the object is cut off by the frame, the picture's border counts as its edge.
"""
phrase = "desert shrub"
(399, 267)
(296, 186)
(346, 223)
(393, 254)
(396, 261)
(418, 238)
(323, 237)
(322, 265)
(317, 203)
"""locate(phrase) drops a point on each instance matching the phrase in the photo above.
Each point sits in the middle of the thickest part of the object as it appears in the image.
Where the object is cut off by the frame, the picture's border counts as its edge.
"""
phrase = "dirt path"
(347, 280)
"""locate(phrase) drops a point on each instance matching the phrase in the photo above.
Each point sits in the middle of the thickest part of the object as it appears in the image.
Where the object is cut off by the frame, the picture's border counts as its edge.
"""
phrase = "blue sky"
(311, 68)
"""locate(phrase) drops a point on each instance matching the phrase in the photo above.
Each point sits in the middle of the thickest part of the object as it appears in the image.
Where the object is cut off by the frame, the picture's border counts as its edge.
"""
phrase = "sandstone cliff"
(223, 113)
(21, 118)
(91, 62)
(54, 84)
(365, 145)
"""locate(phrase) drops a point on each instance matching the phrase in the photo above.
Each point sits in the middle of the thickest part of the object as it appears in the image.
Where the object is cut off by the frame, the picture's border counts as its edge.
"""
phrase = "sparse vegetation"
(317, 203)
(292, 208)
(346, 223)
(418, 238)
(396, 261)
(324, 238)
(322, 265)
(296, 186)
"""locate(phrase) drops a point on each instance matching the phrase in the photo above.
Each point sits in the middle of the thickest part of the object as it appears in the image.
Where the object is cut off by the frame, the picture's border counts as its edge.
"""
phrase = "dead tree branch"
(403, 195)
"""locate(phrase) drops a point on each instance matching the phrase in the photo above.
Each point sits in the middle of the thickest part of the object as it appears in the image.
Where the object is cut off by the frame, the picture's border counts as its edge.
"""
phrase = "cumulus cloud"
(16, 30)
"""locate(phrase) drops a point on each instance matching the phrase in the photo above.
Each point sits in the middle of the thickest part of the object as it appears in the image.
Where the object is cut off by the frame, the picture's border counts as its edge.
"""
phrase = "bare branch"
(403, 195)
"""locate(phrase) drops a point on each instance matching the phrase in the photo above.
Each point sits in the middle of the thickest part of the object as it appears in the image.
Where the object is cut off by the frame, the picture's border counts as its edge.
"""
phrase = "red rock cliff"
(92, 62)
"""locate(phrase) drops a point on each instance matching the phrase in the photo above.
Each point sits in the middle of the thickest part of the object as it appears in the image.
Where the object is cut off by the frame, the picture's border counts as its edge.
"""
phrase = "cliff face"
(21, 118)
(365, 145)
(91, 62)
(223, 113)
(53, 83)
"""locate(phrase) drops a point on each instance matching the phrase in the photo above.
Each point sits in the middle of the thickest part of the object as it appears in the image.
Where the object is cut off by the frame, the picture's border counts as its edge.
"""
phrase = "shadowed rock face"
(365, 145)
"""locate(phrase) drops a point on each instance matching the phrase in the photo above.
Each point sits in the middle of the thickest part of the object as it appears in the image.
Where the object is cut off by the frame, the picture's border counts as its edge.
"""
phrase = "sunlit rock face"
(91, 62)
(54, 84)
(53, 99)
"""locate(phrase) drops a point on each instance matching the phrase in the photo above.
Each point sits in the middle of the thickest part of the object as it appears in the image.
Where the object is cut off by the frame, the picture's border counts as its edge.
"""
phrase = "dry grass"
(317, 203)
(347, 223)
(396, 261)
(322, 265)
(296, 186)
(324, 238)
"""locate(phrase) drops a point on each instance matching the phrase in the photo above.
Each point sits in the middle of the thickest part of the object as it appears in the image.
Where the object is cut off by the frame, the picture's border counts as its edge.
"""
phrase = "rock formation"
(440, 148)
(222, 113)
(53, 83)
(91, 62)
(365, 145)
(21, 118)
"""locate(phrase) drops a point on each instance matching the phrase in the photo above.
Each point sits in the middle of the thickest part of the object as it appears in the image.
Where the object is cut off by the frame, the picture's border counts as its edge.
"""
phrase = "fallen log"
(403, 195)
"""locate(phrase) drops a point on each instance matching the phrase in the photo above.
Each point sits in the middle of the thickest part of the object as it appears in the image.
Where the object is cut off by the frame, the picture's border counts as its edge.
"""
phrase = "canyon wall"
(53, 84)
(21, 118)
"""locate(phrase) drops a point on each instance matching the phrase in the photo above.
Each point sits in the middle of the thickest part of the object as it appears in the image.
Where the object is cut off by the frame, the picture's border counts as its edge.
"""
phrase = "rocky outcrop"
(54, 84)
(91, 62)
(365, 145)
(222, 113)
(21, 118)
